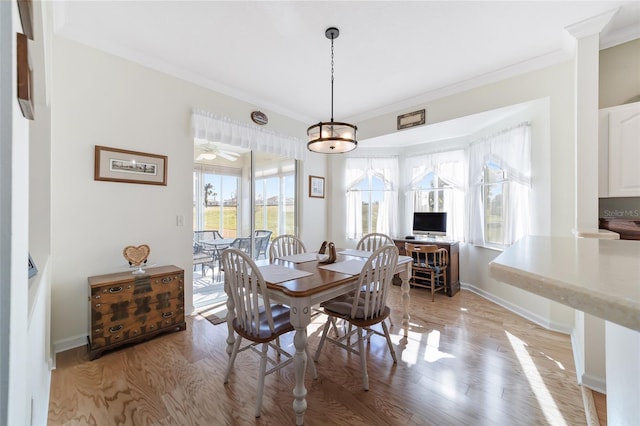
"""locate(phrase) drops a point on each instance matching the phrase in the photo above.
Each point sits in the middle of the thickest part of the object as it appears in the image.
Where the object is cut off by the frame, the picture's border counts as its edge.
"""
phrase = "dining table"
(300, 281)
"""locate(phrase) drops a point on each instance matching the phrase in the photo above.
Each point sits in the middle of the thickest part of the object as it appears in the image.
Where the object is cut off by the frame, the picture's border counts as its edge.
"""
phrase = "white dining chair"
(286, 245)
(364, 308)
(255, 318)
(373, 241)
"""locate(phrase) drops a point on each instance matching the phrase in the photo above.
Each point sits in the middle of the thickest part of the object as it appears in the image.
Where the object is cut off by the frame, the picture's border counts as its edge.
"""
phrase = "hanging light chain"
(332, 77)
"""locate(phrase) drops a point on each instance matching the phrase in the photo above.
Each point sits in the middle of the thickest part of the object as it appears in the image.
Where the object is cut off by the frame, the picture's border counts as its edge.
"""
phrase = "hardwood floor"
(464, 361)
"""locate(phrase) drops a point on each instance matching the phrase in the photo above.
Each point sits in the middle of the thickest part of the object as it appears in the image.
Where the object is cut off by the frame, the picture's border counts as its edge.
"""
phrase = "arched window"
(372, 196)
(437, 185)
(499, 186)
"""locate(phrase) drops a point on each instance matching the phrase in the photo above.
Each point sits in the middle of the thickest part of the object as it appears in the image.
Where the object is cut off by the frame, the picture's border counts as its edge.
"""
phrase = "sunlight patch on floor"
(546, 401)
(411, 347)
(432, 350)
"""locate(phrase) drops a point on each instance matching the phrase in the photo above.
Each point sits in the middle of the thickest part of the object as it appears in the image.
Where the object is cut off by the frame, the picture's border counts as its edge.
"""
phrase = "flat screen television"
(430, 223)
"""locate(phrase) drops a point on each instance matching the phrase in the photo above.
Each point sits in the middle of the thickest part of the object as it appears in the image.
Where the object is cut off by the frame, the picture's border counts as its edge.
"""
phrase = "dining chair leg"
(263, 369)
(232, 358)
(388, 337)
(324, 336)
(363, 360)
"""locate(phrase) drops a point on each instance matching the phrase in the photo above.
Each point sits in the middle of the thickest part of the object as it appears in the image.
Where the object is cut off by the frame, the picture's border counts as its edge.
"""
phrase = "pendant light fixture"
(332, 137)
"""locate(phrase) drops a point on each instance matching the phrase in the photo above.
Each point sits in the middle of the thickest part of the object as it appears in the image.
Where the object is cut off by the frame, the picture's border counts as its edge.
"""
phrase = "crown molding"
(591, 26)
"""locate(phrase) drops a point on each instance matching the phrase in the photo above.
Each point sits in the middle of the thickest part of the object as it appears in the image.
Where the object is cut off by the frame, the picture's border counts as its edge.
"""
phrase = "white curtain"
(510, 150)
(449, 167)
(213, 128)
(358, 169)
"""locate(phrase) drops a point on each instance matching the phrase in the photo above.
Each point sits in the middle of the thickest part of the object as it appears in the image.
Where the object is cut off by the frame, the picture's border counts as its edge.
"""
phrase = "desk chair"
(286, 245)
(255, 320)
(364, 308)
(429, 268)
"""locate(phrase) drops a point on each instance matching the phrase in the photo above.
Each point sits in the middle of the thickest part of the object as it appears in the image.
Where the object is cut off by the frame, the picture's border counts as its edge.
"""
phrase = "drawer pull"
(167, 314)
(98, 296)
(98, 305)
(116, 328)
(115, 289)
(166, 280)
(98, 330)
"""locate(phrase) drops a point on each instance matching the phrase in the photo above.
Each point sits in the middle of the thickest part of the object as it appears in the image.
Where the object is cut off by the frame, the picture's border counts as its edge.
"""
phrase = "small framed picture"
(32, 267)
(316, 187)
(120, 165)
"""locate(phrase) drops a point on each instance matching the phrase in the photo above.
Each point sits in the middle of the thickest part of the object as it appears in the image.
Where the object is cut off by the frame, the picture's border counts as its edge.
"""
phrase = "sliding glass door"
(249, 198)
(275, 195)
(215, 199)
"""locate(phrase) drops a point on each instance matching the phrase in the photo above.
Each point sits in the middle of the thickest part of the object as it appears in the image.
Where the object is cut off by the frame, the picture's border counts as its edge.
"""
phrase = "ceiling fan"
(210, 151)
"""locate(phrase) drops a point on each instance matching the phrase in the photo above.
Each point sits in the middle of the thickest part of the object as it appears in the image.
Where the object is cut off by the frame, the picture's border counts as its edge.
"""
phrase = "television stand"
(453, 247)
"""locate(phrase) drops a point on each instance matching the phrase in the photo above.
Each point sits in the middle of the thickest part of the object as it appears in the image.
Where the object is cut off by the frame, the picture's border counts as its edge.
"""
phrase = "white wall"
(619, 74)
(99, 99)
(313, 219)
(15, 310)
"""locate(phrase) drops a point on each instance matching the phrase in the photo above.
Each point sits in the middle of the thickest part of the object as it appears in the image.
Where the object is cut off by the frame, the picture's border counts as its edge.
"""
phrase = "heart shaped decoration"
(136, 255)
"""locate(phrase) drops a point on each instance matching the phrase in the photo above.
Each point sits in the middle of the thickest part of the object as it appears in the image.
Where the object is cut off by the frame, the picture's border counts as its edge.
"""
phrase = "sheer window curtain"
(448, 166)
(511, 151)
(358, 169)
(213, 128)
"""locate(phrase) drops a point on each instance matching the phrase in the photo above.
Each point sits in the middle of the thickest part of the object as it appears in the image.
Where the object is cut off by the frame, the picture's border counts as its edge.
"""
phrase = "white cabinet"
(620, 151)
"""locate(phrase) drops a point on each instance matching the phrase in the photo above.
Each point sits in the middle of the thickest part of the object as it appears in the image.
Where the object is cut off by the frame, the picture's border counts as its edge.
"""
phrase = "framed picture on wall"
(121, 165)
(316, 187)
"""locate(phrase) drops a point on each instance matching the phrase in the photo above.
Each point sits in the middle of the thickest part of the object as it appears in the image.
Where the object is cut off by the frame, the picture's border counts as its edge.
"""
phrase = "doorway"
(241, 199)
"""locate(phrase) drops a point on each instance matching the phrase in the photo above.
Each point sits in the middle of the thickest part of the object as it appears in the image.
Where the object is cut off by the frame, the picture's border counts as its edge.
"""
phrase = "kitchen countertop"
(597, 276)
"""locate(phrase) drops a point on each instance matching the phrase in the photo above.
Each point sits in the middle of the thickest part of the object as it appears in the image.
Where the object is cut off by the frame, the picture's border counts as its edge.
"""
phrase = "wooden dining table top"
(320, 280)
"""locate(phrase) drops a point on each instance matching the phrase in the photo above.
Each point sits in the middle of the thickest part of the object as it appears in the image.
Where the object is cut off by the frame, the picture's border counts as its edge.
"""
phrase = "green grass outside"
(230, 215)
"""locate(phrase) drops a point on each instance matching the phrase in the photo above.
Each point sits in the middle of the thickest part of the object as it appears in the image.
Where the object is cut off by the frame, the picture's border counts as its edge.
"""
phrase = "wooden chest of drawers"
(126, 308)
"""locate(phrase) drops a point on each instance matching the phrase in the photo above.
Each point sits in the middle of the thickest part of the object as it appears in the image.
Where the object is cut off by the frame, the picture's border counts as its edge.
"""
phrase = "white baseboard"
(535, 318)
(70, 343)
(597, 384)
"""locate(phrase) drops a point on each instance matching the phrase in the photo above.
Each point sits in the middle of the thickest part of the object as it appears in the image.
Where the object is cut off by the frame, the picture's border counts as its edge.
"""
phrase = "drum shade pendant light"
(332, 137)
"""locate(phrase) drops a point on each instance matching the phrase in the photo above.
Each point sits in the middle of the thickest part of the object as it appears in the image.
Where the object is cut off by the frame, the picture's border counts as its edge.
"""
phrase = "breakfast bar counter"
(597, 276)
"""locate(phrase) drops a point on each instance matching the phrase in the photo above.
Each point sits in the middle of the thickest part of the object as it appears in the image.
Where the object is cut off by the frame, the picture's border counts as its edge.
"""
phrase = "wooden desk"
(303, 293)
(453, 269)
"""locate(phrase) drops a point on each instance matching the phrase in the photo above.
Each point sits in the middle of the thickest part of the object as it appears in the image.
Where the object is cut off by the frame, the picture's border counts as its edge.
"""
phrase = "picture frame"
(32, 267)
(25, 9)
(411, 119)
(121, 165)
(24, 79)
(316, 187)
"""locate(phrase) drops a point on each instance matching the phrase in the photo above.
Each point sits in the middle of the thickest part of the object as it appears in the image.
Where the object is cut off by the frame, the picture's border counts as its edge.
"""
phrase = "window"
(493, 193)
(499, 186)
(215, 199)
(429, 194)
(372, 196)
(275, 197)
(437, 185)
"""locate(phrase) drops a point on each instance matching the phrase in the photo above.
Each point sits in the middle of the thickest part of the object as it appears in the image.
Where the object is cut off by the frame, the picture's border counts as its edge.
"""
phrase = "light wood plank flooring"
(464, 361)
